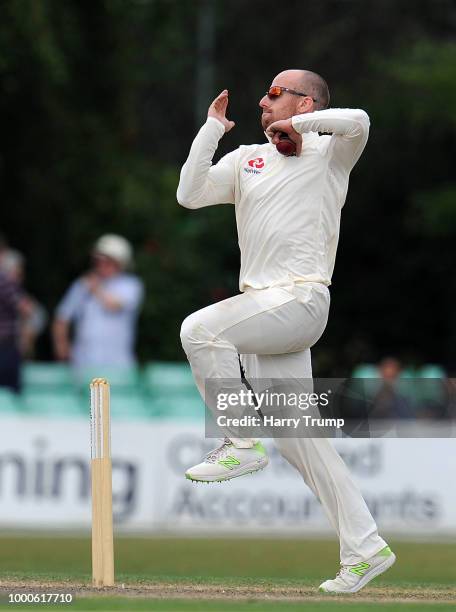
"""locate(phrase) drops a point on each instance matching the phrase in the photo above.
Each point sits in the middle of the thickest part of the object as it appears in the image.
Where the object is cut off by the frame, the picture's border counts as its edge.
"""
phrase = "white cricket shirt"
(287, 208)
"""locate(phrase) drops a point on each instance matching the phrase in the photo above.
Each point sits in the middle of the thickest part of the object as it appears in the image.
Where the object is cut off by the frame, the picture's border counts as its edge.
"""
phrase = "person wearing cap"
(103, 306)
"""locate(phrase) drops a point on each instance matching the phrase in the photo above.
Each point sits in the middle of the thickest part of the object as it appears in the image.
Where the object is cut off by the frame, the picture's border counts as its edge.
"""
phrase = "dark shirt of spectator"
(10, 360)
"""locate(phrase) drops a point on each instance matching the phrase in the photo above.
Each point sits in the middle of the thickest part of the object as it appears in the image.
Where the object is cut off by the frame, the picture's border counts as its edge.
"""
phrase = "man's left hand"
(285, 125)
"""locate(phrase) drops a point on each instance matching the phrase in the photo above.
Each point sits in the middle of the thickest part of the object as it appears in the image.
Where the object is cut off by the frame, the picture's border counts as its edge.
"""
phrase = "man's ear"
(305, 105)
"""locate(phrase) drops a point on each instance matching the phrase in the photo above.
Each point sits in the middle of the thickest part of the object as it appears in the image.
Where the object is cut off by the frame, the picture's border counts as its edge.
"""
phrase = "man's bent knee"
(193, 333)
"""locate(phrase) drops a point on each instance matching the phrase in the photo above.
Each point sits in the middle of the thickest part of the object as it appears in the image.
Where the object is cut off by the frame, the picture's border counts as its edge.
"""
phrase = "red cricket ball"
(285, 146)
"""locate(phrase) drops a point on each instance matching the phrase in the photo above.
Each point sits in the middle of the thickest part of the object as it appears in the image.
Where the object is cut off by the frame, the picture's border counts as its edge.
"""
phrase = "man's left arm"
(125, 295)
(349, 127)
(107, 299)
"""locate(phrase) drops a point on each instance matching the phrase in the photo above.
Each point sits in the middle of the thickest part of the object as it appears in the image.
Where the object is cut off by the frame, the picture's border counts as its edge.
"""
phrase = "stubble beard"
(266, 121)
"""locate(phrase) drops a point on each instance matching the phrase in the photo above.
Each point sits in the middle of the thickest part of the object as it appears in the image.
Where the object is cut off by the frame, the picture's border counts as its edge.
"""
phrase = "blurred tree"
(204, 83)
(97, 112)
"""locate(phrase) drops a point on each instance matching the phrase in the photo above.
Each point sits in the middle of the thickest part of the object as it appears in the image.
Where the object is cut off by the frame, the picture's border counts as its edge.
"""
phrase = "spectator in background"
(13, 305)
(103, 306)
(389, 403)
(12, 263)
(450, 385)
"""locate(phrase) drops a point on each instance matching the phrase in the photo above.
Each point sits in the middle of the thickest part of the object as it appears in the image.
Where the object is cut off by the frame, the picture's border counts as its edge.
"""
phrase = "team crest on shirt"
(255, 165)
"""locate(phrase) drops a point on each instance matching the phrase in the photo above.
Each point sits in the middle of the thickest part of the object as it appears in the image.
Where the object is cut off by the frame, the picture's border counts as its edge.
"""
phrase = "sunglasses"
(276, 91)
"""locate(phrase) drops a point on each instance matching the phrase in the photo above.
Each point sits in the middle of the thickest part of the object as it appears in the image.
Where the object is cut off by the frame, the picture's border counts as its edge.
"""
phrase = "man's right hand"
(62, 351)
(60, 335)
(218, 110)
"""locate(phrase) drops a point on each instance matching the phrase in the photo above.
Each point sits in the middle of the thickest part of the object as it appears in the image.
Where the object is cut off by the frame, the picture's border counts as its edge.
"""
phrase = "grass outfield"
(223, 574)
(251, 606)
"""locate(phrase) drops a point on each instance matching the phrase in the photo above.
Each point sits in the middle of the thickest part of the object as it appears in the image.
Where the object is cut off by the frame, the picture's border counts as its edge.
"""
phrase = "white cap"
(116, 247)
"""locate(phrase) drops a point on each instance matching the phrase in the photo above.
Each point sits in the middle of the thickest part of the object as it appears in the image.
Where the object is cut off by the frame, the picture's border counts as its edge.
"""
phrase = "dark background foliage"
(100, 101)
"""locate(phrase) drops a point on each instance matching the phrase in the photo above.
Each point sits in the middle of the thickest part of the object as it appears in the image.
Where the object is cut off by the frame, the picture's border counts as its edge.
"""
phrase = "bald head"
(278, 107)
(310, 83)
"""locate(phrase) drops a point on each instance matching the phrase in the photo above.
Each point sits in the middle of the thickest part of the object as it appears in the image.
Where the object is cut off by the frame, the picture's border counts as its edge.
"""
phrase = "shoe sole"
(389, 561)
(247, 469)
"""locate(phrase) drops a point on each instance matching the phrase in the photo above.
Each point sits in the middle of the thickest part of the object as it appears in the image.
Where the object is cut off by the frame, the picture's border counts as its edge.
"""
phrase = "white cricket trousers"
(273, 329)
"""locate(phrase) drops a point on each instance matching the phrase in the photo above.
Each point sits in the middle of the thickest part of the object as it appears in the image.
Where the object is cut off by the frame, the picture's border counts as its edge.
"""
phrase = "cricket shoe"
(227, 461)
(352, 578)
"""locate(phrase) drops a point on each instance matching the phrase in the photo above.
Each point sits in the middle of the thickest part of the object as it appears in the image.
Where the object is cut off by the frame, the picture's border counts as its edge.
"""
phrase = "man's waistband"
(287, 282)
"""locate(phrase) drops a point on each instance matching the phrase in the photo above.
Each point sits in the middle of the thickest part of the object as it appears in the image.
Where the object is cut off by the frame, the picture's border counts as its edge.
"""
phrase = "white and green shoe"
(227, 462)
(352, 578)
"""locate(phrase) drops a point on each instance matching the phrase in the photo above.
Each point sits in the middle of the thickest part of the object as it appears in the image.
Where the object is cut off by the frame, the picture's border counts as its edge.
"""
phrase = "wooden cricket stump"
(101, 468)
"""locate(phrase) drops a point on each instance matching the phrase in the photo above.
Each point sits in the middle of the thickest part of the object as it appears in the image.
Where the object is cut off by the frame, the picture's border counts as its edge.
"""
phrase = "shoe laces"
(218, 452)
(344, 569)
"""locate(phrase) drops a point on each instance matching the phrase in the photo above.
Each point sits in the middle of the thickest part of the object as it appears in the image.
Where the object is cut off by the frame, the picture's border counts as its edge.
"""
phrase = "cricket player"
(288, 215)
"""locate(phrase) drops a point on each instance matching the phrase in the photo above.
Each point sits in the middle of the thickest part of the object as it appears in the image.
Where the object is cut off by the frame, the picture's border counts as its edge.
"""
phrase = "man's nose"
(264, 102)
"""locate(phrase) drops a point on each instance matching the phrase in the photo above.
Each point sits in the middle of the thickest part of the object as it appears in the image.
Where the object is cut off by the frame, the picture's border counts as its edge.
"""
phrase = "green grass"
(251, 606)
(226, 563)
(209, 559)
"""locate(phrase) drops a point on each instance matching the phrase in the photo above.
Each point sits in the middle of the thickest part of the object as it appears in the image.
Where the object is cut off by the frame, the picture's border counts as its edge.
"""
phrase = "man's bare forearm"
(61, 339)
